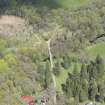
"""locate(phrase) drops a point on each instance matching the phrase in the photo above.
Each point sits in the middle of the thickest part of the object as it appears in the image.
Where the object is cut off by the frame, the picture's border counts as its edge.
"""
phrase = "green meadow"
(73, 3)
(96, 49)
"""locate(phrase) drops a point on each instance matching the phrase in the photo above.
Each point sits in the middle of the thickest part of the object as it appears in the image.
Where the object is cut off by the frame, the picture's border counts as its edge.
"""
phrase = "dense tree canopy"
(81, 87)
(24, 58)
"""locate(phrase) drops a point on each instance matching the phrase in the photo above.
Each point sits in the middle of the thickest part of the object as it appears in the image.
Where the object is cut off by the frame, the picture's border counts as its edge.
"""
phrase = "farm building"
(28, 100)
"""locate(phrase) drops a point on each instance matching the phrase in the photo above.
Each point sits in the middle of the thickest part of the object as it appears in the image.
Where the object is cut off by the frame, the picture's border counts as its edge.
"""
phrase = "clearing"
(13, 26)
(11, 20)
(73, 3)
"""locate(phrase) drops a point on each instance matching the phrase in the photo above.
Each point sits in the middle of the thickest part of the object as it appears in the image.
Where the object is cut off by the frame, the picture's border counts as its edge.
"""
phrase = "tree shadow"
(42, 3)
(39, 4)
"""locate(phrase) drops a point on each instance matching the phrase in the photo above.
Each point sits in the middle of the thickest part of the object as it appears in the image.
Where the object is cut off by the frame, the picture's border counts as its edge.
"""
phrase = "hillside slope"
(26, 26)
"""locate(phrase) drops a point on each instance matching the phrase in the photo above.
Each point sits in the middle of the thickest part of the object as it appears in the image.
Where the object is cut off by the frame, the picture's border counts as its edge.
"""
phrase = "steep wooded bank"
(26, 58)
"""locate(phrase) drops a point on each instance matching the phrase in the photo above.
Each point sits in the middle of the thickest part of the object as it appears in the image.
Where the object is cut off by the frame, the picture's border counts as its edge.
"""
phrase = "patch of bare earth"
(14, 26)
(11, 20)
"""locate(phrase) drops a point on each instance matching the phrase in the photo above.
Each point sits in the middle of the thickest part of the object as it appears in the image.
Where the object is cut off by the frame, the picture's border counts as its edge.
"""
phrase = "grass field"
(66, 4)
(73, 3)
(97, 49)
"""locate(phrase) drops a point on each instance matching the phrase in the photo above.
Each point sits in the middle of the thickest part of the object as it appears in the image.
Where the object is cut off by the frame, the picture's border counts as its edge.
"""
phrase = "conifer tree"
(41, 74)
(69, 87)
(57, 68)
(84, 84)
(83, 72)
(66, 61)
(100, 67)
(102, 92)
(84, 90)
(82, 96)
(76, 83)
(92, 71)
(92, 89)
(75, 70)
(47, 75)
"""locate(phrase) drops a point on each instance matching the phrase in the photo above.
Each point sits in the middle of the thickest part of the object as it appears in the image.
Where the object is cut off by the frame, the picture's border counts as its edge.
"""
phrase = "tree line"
(88, 84)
